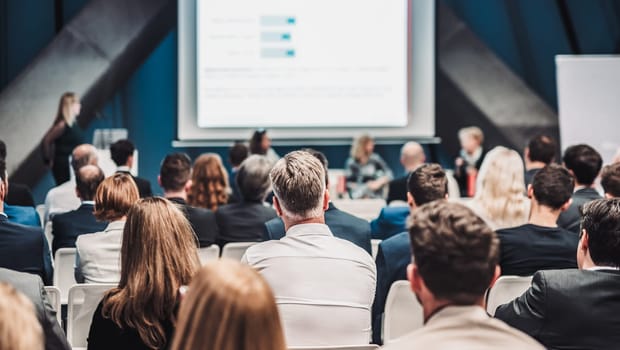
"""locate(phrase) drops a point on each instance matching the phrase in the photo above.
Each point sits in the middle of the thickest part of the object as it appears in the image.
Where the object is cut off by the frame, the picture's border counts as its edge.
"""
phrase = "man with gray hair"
(324, 286)
(411, 157)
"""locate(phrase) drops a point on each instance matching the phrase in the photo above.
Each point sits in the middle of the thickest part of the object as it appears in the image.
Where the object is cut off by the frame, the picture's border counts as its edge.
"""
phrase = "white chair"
(374, 245)
(236, 250)
(505, 289)
(83, 301)
(209, 253)
(53, 296)
(367, 209)
(403, 312)
(48, 234)
(351, 347)
(41, 211)
(64, 277)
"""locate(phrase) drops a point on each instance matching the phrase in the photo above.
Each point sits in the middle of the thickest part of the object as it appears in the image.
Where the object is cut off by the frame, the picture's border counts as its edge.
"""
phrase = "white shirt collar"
(124, 168)
(88, 202)
(3, 214)
(309, 229)
(599, 268)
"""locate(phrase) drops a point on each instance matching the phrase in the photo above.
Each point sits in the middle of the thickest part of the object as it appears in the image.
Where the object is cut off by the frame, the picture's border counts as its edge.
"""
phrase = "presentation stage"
(302, 63)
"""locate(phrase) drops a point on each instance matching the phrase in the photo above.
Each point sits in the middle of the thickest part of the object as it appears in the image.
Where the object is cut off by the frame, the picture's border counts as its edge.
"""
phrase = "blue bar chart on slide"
(277, 21)
(276, 37)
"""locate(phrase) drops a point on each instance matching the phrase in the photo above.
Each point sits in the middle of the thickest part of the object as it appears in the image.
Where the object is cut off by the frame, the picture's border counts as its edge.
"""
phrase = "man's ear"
(530, 191)
(159, 180)
(415, 279)
(3, 190)
(566, 205)
(526, 153)
(608, 196)
(326, 200)
(188, 186)
(276, 206)
(410, 201)
(77, 193)
(496, 274)
(583, 242)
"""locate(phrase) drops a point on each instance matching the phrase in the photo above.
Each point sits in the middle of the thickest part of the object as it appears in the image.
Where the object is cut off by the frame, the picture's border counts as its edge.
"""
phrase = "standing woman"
(260, 144)
(63, 137)
(366, 172)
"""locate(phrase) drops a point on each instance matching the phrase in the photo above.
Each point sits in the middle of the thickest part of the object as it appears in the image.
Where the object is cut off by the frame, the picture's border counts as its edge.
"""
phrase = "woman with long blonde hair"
(209, 187)
(158, 256)
(63, 137)
(229, 306)
(365, 171)
(500, 194)
(19, 327)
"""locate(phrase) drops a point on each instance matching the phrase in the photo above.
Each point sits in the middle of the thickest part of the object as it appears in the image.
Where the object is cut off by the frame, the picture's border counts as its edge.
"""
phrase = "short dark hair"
(256, 141)
(238, 153)
(454, 250)
(542, 148)
(601, 220)
(2, 149)
(610, 179)
(322, 158)
(175, 171)
(121, 150)
(584, 161)
(553, 186)
(87, 179)
(427, 183)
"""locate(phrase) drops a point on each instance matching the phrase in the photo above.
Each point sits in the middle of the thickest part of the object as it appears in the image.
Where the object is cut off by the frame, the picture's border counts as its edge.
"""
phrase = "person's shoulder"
(337, 214)
(511, 232)
(25, 230)
(17, 278)
(351, 251)
(396, 241)
(89, 238)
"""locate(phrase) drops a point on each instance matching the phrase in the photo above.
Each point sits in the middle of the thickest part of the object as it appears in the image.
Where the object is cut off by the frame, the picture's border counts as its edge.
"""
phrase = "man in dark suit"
(577, 308)
(610, 180)
(411, 156)
(584, 163)
(343, 225)
(469, 159)
(68, 226)
(175, 179)
(32, 288)
(245, 221)
(122, 154)
(17, 194)
(541, 244)
(540, 151)
(426, 184)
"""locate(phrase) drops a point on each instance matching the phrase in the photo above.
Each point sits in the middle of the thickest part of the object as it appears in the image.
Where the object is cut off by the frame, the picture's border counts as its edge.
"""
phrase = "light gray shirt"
(324, 286)
(98, 257)
(61, 199)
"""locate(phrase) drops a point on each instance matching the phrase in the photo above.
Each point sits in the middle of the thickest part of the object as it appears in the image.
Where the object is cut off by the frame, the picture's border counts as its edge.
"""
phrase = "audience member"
(122, 154)
(577, 308)
(610, 180)
(411, 156)
(236, 155)
(260, 144)
(32, 287)
(209, 187)
(584, 163)
(22, 248)
(99, 254)
(20, 208)
(321, 283)
(63, 198)
(541, 244)
(175, 179)
(22, 215)
(455, 262)
(158, 256)
(365, 171)
(343, 225)
(500, 200)
(18, 194)
(228, 306)
(427, 183)
(67, 227)
(19, 327)
(539, 152)
(469, 159)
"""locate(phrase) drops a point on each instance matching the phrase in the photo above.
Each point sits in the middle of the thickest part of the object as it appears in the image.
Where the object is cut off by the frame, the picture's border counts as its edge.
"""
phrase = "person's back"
(24, 248)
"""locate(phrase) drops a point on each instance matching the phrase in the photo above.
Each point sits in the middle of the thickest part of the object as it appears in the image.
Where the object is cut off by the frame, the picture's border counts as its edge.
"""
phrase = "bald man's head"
(412, 156)
(87, 180)
(82, 155)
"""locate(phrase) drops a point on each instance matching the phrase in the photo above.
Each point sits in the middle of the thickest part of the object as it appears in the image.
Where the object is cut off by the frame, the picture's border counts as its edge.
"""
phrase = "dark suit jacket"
(25, 249)
(393, 256)
(242, 222)
(529, 176)
(397, 189)
(202, 220)
(460, 173)
(32, 288)
(569, 309)
(528, 248)
(391, 221)
(570, 218)
(68, 226)
(144, 185)
(19, 195)
(343, 225)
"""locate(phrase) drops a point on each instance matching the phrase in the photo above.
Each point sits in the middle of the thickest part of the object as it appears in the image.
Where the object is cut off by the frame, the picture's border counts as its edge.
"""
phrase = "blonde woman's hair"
(473, 132)
(19, 327)
(209, 182)
(229, 306)
(358, 148)
(500, 188)
(115, 196)
(158, 255)
(64, 108)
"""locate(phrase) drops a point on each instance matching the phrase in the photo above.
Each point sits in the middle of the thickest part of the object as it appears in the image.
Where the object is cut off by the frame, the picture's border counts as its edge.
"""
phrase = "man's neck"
(430, 308)
(176, 194)
(580, 186)
(529, 165)
(412, 167)
(290, 223)
(541, 215)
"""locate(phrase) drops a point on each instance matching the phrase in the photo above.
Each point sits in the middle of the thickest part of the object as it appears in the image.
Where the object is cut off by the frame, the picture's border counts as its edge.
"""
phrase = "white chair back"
(48, 235)
(403, 312)
(374, 245)
(83, 301)
(53, 296)
(352, 347)
(41, 211)
(209, 253)
(505, 289)
(236, 250)
(367, 209)
(64, 278)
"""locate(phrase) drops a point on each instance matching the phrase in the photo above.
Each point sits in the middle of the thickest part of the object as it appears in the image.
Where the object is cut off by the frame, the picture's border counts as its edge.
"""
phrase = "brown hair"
(19, 327)
(64, 108)
(158, 255)
(115, 196)
(358, 148)
(610, 179)
(455, 251)
(427, 183)
(229, 306)
(209, 182)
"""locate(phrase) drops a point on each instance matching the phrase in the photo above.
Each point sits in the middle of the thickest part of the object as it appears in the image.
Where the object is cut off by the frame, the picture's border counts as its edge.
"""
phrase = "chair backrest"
(83, 301)
(53, 295)
(351, 347)
(48, 234)
(403, 312)
(236, 250)
(374, 245)
(505, 289)
(209, 253)
(41, 211)
(367, 209)
(64, 278)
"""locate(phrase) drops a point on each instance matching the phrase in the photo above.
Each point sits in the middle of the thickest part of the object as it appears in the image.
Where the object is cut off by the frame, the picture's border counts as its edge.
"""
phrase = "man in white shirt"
(324, 286)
